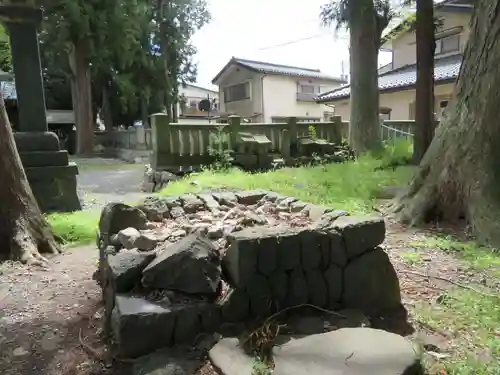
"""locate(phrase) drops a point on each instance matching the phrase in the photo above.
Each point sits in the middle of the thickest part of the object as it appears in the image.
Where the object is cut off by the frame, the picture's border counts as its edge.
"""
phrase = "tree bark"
(364, 129)
(24, 232)
(82, 98)
(144, 111)
(424, 106)
(458, 177)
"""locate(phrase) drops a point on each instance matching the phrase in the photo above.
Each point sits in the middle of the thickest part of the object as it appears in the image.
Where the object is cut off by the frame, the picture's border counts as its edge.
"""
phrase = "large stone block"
(268, 255)
(348, 351)
(125, 269)
(241, 258)
(54, 187)
(259, 292)
(334, 283)
(279, 283)
(334, 248)
(187, 325)
(236, 305)
(318, 290)
(289, 250)
(310, 243)
(371, 284)
(298, 291)
(191, 265)
(140, 327)
(360, 233)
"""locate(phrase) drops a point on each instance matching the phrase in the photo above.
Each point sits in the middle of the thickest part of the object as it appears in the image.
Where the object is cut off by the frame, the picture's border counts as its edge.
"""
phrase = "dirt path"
(42, 313)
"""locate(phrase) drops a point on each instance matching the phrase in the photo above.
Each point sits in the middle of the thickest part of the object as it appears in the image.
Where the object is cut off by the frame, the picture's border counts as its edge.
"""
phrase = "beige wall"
(280, 97)
(400, 102)
(247, 107)
(404, 49)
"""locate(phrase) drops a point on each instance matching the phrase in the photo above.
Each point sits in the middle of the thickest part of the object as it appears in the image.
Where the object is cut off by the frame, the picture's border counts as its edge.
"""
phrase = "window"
(234, 93)
(307, 89)
(385, 113)
(448, 44)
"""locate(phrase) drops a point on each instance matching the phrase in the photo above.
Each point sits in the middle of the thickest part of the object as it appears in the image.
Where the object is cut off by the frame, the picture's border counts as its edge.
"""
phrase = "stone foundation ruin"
(175, 267)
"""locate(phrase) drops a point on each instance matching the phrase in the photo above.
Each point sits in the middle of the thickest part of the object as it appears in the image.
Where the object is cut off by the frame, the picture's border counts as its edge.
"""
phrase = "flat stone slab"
(347, 351)
(230, 358)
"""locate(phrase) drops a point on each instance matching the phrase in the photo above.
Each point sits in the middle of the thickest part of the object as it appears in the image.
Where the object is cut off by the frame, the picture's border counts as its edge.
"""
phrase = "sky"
(285, 32)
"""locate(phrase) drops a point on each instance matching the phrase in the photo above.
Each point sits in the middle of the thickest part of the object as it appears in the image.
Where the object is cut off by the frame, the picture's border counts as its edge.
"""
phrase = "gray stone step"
(44, 158)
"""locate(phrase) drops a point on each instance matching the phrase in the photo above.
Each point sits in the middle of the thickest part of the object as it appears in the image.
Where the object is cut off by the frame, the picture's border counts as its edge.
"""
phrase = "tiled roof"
(8, 90)
(269, 68)
(445, 69)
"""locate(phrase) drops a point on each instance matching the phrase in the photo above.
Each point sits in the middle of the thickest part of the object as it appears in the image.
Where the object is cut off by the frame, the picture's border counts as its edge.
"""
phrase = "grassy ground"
(469, 314)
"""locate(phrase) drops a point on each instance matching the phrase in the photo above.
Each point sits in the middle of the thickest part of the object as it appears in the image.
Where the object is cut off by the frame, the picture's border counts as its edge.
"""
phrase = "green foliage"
(122, 39)
(311, 130)
(219, 149)
(336, 12)
(5, 53)
(396, 153)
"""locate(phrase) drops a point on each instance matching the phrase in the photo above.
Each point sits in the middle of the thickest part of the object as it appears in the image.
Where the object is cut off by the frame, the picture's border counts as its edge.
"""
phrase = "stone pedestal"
(51, 176)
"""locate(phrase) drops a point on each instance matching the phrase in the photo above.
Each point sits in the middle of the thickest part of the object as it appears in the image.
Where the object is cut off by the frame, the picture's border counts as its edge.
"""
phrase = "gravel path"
(107, 180)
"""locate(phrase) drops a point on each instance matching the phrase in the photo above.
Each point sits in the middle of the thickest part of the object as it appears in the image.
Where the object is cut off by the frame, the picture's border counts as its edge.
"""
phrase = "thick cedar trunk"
(82, 98)
(424, 118)
(107, 117)
(459, 174)
(364, 129)
(24, 233)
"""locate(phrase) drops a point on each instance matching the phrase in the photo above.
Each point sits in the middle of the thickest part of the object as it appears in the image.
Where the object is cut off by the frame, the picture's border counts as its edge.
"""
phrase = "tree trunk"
(424, 118)
(459, 175)
(144, 111)
(107, 117)
(24, 233)
(364, 129)
(82, 100)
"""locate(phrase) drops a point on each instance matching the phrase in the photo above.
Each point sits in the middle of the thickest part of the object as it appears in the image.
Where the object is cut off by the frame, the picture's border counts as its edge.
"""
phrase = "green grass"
(471, 318)
(477, 257)
(351, 186)
(75, 228)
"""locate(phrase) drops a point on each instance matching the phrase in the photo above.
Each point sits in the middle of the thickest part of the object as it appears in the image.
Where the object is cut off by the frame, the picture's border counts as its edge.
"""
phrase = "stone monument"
(50, 174)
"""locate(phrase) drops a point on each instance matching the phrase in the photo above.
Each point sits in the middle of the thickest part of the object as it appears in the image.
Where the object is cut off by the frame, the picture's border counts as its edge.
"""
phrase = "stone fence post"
(292, 130)
(160, 140)
(140, 134)
(336, 129)
(234, 128)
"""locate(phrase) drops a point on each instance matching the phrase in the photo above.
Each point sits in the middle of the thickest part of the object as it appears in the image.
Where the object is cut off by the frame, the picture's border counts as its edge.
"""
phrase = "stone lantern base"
(50, 174)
